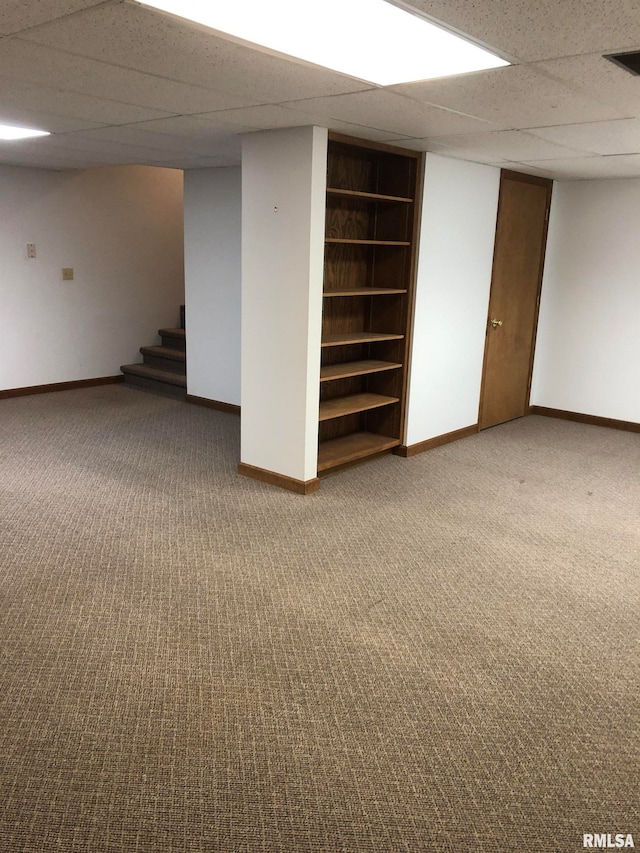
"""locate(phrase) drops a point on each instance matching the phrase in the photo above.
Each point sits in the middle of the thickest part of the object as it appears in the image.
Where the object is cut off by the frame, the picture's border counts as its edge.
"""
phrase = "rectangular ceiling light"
(372, 40)
(7, 131)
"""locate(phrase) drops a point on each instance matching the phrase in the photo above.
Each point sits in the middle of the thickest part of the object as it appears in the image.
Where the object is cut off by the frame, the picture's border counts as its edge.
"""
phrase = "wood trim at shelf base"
(61, 386)
(414, 449)
(595, 420)
(218, 405)
(335, 452)
(300, 487)
(353, 463)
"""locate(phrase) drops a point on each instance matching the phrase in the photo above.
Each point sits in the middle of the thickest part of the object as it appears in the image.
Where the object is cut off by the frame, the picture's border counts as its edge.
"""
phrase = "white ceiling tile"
(514, 97)
(156, 143)
(144, 40)
(623, 166)
(412, 144)
(276, 115)
(541, 29)
(46, 66)
(173, 138)
(503, 145)
(392, 112)
(101, 149)
(360, 130)
(55, 160)
(431, 146)
(604, 137)
(16, 15)
(41, 120)
(196, 163)
(193, 128)
(70, 104)
(114, 81)
(529, 169)
(602, 79)
(79, 148)
(265, 117)
(124, 145)
(200, 126)
(192, 136)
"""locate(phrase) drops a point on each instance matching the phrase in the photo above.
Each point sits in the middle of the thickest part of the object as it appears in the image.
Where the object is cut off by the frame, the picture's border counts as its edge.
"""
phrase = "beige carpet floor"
(433, 654)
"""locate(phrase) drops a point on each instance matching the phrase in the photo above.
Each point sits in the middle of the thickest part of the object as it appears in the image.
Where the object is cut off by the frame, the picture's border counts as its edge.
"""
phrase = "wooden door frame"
(507, 174)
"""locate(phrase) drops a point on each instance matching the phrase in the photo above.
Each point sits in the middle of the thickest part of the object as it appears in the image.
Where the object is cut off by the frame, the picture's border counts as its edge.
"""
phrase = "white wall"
(121, 230)
(588, 346)
(213, 222)
(283, 210)
(452, 296)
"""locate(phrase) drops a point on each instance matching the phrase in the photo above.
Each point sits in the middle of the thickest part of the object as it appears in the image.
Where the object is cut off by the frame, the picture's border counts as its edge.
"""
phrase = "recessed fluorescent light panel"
(372, 40)
(7, 131)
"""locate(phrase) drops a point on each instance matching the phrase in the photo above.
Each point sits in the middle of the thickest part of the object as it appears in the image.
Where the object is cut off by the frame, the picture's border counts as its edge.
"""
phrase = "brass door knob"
(496, 323)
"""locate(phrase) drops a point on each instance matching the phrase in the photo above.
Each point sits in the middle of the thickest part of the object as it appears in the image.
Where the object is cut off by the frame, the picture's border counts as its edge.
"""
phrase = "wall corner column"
(283, 213)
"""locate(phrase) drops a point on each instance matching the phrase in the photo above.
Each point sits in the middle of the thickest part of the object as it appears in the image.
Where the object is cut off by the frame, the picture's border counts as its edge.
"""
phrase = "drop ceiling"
(117, 83)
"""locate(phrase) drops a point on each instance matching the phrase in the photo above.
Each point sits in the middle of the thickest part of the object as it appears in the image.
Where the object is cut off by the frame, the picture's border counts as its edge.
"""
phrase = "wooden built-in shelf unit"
(370, 251)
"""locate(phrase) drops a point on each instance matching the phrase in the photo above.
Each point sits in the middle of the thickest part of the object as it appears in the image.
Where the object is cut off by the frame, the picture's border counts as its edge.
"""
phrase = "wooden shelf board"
(345, 241)
(355, 368)
(349, 405)
(367, 196)
(349, 448)
(366, 291)
(358, 338)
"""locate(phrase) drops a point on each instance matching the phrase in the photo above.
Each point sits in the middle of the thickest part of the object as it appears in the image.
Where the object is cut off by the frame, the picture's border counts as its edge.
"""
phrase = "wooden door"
(521, 233)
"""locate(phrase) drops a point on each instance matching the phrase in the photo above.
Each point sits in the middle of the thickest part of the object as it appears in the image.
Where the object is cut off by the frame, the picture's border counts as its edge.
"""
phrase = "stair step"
(172, 333)
(173, 339)
(164, 358)
(163, 389)
(144, 371)
(165, 352)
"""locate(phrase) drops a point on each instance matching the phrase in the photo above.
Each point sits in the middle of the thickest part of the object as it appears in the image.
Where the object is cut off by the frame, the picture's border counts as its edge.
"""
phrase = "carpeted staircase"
(164, 367)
